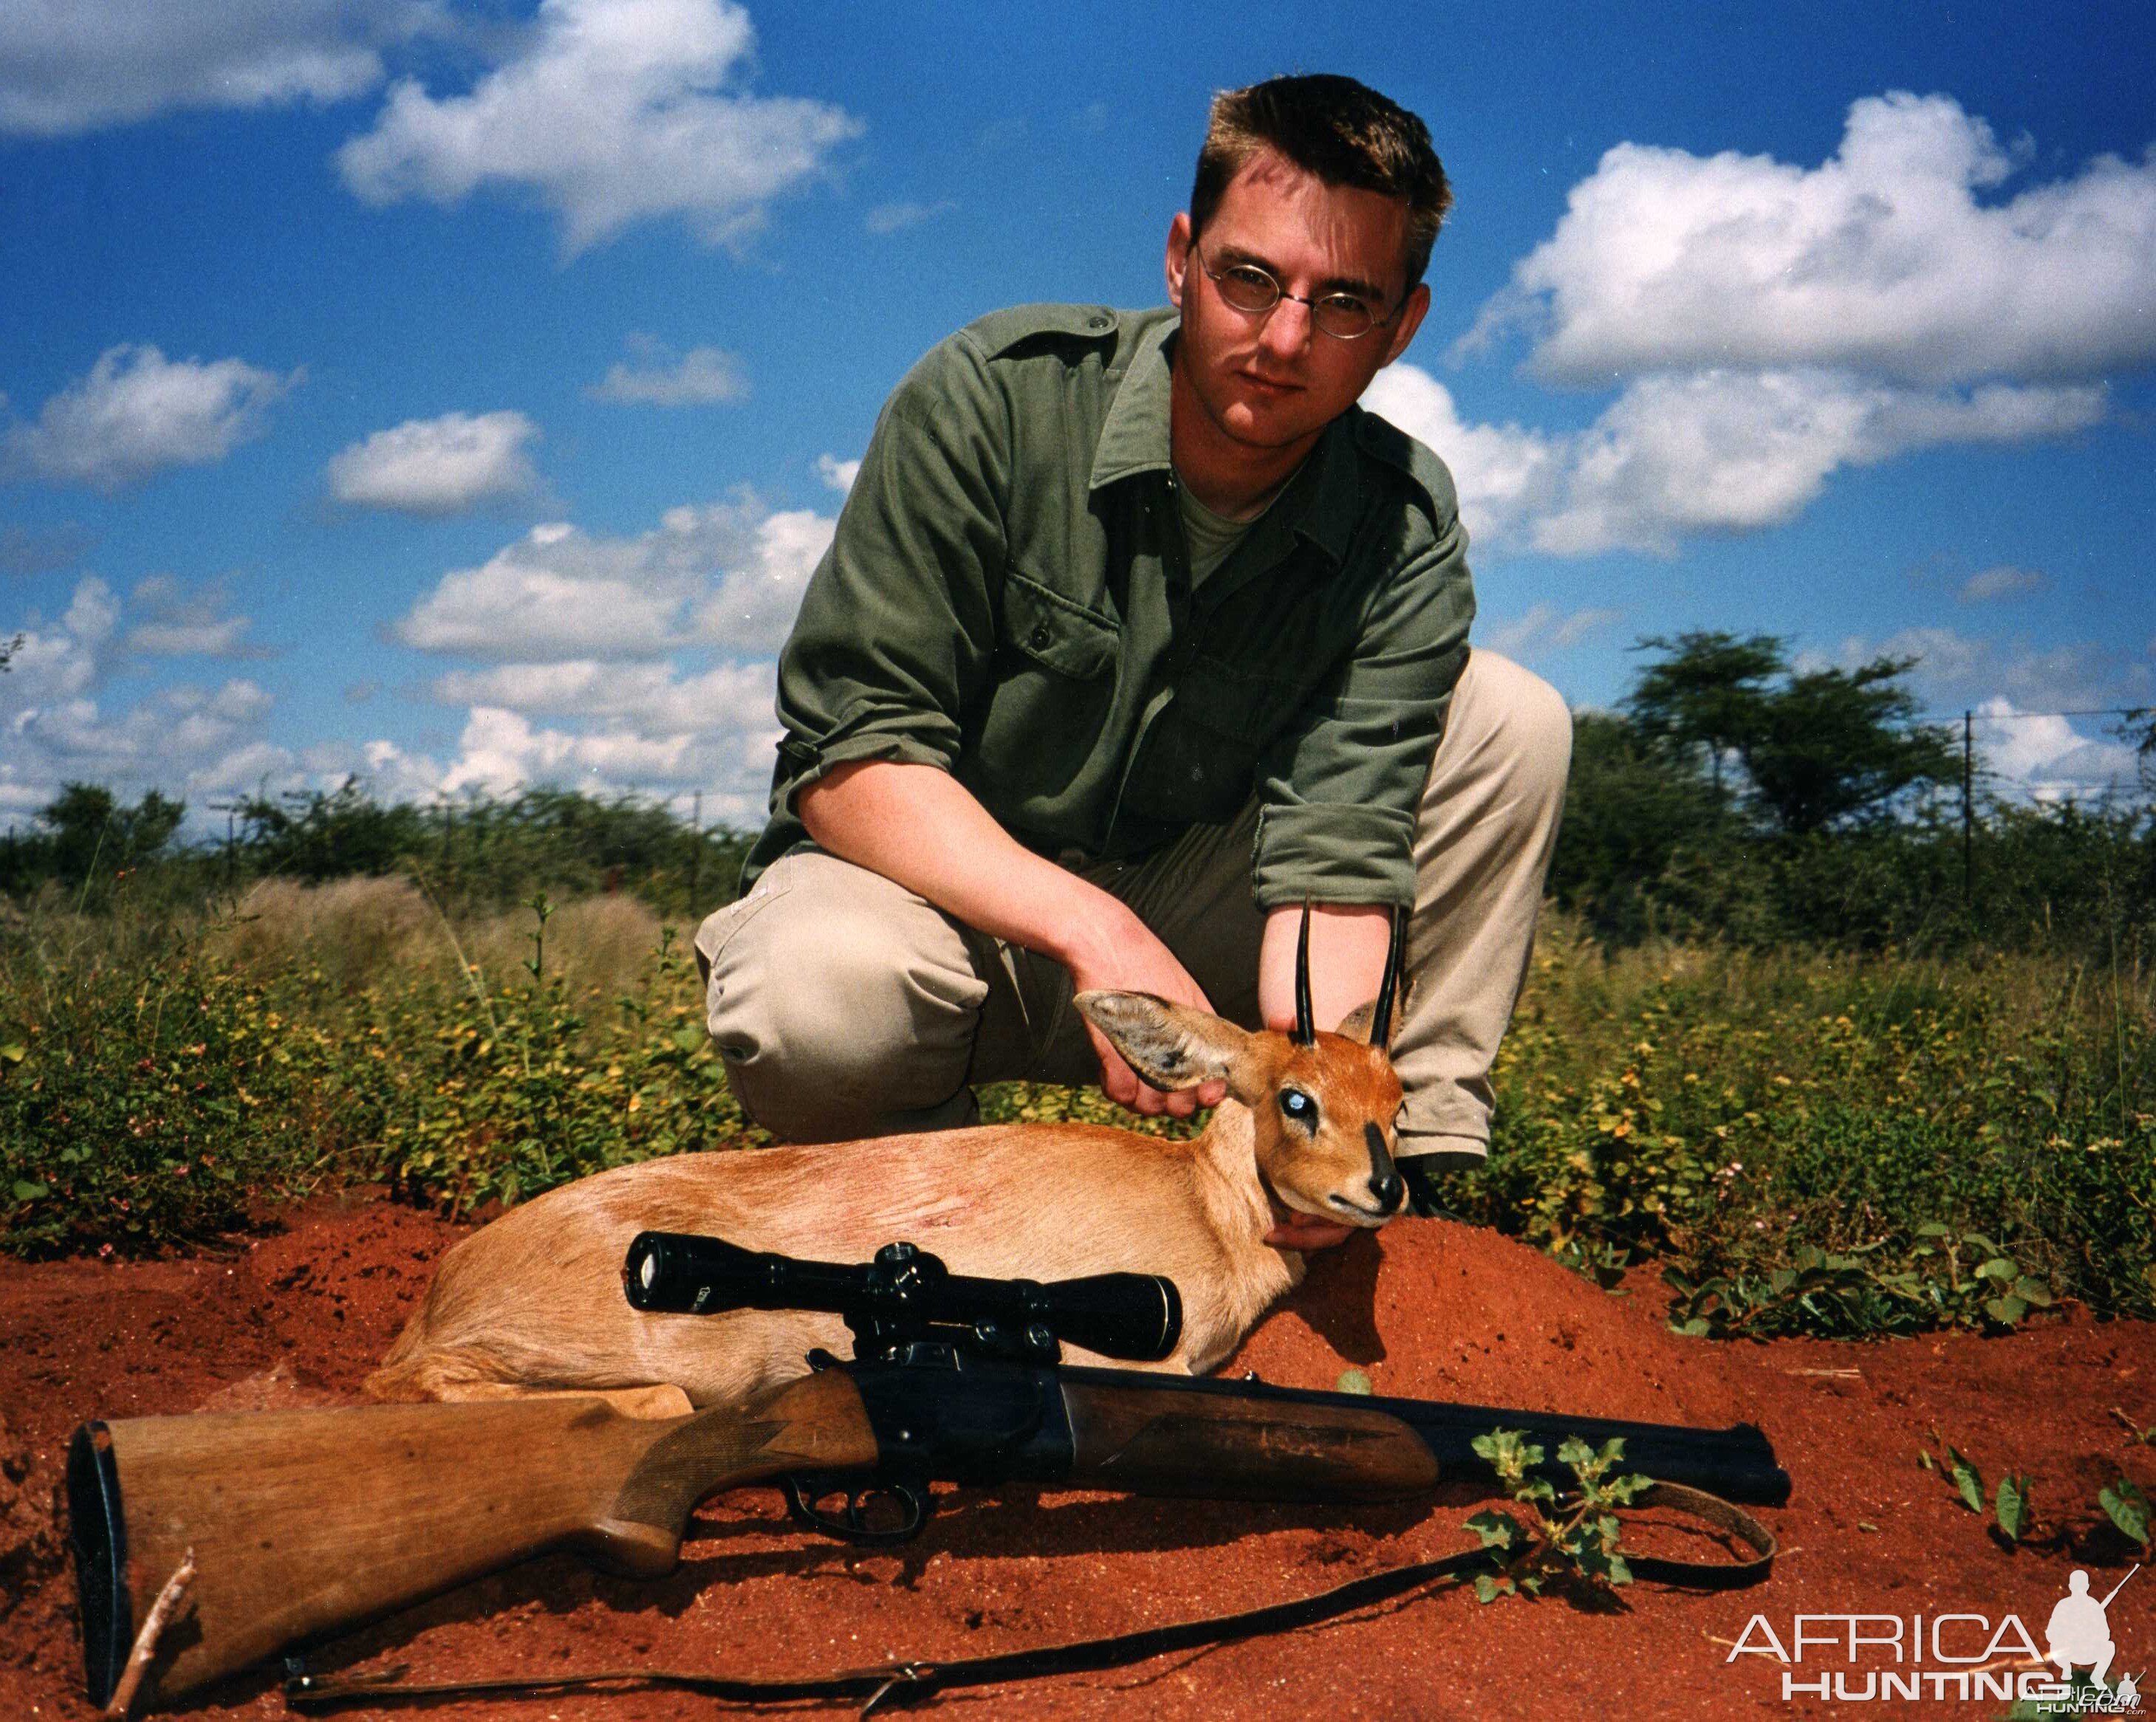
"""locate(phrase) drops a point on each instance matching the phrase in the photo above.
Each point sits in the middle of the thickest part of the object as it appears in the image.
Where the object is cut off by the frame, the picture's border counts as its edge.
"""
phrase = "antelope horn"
(1305, 1030)
(1381, 1017)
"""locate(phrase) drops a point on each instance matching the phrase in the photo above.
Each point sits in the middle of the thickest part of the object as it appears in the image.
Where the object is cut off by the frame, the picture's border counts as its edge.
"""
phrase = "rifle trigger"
(854, 1524)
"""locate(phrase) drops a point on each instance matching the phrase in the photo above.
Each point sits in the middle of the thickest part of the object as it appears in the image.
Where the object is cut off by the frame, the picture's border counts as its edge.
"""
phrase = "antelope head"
(1323, 1106)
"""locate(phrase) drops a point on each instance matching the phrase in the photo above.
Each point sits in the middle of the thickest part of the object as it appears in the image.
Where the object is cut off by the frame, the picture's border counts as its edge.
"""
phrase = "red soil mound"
(1429, 1309)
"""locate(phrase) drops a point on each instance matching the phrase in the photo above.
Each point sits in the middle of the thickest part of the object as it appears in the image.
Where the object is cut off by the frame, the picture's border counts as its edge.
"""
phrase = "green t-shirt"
(1211, 537)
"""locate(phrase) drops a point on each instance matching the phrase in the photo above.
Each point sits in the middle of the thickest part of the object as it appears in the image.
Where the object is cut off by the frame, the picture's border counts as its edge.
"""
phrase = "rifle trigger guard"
(805, 1488)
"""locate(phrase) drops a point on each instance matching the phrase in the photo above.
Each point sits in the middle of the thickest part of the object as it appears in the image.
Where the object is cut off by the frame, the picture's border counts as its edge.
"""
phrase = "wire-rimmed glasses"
(1246, 287)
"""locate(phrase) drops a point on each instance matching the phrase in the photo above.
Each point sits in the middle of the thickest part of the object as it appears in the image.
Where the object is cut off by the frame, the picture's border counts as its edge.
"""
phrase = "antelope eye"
(1298, 1105)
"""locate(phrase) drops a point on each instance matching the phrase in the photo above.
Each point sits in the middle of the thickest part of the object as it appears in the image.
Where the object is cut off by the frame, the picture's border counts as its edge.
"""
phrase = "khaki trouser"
(845, 1006)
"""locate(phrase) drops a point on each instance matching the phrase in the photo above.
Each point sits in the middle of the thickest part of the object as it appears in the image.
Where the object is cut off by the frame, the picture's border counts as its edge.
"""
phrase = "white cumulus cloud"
(60, 719)
(1989, 585)
(651, 696)
(702, 376)
(139, 413)
(612, 112)
(70, 66)
(1545, 629)
(1681, 453)
(1956, 671)
(437, 466)
(1897, 257)
(176, 621)
(2045, 756)
(500, 752)
(754, 603)
(1505, 476)
(626, 663)
(729, 576)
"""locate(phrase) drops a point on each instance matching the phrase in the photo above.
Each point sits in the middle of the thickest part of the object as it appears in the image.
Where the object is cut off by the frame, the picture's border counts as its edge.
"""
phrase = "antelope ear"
(1356, 1024)
(1171, 1046)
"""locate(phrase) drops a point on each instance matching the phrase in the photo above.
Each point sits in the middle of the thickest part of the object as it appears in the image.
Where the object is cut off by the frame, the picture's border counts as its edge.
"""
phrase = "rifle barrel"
(1736, 1463)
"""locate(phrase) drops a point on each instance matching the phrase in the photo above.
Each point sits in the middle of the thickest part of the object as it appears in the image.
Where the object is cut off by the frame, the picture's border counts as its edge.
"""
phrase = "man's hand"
(1306, 1232)
(1118, 952)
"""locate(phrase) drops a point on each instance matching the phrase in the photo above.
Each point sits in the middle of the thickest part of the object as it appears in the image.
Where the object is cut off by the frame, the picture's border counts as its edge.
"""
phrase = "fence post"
(1967, 805)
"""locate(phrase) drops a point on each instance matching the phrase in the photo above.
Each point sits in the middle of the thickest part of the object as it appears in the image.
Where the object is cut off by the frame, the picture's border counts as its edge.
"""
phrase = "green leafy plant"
(1574, 1539)
(2127, 1505)
(2010, 1507)
(2009, 1503)
(1959, 1469)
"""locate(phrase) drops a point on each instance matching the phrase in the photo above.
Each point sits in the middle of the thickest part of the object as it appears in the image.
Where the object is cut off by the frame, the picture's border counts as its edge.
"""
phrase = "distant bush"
(473, 851)
(1720, 803)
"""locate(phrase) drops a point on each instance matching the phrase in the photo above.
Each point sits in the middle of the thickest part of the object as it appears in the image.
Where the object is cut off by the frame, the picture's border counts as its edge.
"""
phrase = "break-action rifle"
(303, 1524)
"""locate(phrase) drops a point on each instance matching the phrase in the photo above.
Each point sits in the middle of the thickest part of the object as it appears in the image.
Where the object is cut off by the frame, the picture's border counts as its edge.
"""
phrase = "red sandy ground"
(299, 1315)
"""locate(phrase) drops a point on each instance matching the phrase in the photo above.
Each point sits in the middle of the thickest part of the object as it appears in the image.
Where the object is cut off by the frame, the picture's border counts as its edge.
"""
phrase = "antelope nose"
(1387, 1187)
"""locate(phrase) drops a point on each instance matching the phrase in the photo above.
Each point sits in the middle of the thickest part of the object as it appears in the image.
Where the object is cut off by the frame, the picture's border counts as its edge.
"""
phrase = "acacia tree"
(1819, 748)
(1704, 693)
(92, 832)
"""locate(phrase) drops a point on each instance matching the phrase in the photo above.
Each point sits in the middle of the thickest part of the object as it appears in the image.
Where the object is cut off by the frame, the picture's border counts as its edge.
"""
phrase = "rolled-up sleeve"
(897, 626)
(1339, 790)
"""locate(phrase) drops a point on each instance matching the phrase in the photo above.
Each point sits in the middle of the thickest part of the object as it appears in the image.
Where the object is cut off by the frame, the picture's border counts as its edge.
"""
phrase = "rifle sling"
(904, 1681)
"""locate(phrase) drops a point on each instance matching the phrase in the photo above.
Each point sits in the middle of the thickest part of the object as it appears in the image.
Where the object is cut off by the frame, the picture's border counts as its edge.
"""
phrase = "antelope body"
(533, 1302)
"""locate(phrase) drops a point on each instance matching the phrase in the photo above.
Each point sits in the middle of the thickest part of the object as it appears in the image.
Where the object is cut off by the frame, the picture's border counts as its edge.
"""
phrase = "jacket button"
(1039, 637)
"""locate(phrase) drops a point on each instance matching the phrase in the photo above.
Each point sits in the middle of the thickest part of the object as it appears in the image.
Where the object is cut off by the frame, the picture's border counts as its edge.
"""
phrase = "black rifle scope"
(905, 1295)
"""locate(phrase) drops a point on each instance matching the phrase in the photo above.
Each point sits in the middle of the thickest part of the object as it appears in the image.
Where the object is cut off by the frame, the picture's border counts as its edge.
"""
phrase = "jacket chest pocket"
(1054, 632)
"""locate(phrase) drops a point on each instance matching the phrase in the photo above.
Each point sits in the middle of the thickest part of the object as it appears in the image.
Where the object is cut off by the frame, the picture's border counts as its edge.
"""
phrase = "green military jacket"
(1007, 597)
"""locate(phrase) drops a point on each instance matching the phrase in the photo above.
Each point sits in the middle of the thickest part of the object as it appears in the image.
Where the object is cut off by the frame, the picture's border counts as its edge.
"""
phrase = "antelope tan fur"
(532, 1302)
(309, 1522)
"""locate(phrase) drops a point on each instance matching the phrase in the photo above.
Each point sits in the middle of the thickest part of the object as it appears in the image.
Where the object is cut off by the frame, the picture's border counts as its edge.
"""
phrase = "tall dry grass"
(357, 934)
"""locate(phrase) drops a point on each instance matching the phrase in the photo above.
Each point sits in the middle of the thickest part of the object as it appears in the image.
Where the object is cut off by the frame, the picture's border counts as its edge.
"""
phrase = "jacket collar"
(1323, 497)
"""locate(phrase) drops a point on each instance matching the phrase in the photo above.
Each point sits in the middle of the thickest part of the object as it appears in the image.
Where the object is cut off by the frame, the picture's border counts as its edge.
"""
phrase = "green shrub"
(153, 1105)
(1831, 1146)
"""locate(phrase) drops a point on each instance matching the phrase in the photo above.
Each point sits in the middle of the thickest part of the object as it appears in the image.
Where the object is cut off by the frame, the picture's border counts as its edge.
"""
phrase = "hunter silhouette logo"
(2079, 1636)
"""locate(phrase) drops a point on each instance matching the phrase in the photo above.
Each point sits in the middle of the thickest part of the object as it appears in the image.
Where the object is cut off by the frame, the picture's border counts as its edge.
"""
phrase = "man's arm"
(1348, 946)
(1342, 785)
(920, 827)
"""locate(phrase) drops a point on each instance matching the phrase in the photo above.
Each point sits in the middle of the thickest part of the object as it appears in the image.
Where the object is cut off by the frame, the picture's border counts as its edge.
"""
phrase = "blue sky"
(458, 394)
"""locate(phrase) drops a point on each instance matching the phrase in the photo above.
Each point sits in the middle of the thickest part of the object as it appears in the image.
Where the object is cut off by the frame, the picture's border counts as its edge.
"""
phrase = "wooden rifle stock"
(308, 1522)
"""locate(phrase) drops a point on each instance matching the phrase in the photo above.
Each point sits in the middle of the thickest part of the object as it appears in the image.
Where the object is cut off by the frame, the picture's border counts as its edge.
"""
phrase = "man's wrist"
(1081, 925)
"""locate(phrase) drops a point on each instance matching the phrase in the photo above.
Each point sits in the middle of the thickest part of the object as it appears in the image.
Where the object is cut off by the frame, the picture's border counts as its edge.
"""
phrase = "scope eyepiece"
(908, 1292)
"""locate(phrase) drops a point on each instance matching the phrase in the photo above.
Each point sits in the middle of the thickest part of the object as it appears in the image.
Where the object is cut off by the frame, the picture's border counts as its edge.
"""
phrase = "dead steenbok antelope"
(533, 1302)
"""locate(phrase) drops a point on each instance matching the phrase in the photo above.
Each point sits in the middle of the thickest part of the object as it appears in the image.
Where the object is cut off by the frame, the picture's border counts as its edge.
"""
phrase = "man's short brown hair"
(1343, 131)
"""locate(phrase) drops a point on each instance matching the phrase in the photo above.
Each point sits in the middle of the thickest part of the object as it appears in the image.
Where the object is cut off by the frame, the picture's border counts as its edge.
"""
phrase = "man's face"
(1270, 380)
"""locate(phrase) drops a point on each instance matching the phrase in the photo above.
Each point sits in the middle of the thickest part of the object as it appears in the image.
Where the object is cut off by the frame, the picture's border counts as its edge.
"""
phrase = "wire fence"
(2131, 776)
(2056, 775)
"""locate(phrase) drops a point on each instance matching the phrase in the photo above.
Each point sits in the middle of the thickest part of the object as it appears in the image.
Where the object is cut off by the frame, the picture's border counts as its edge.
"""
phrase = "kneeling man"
(1137, 633)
